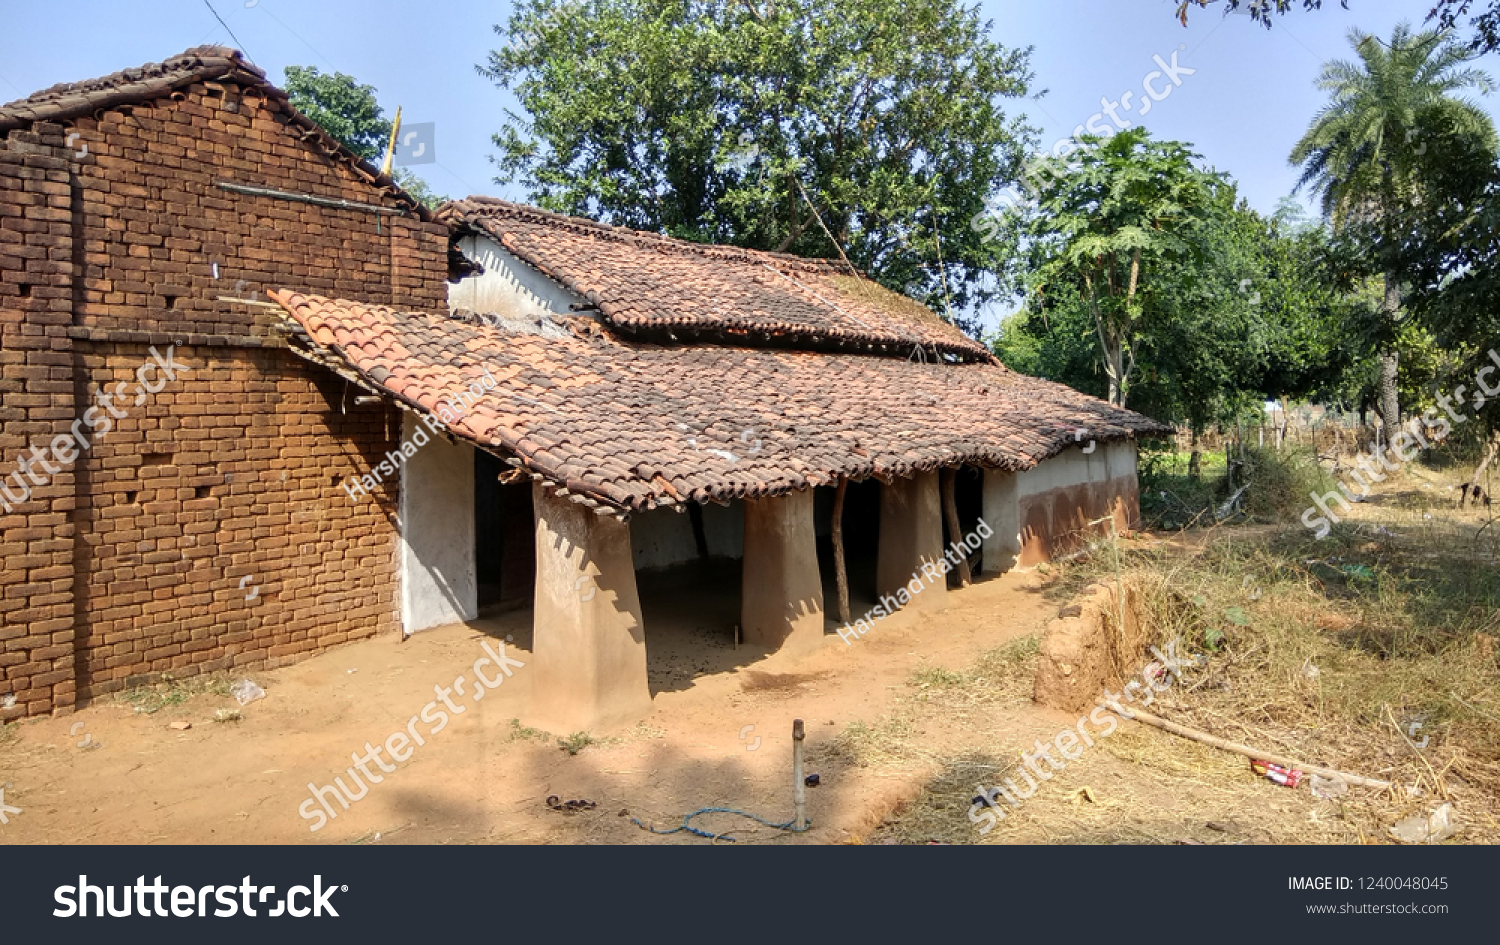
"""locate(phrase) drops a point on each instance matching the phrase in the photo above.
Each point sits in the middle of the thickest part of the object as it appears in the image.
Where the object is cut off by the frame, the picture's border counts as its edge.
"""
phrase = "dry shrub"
(1281, 482)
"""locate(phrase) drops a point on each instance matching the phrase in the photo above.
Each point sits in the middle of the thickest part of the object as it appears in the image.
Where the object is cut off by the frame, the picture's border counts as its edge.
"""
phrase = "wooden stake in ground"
(799, 785)
(840, 574)
(950, 512)
(1254, 754)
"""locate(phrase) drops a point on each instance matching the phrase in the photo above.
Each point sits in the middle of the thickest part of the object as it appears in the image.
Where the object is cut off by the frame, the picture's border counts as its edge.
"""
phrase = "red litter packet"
(1286, 777)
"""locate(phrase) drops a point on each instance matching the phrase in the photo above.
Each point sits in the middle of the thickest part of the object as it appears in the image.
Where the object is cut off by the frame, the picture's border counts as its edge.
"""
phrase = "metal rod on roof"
(815, 295)
(333, 202)
(390, 149)
(821, 224)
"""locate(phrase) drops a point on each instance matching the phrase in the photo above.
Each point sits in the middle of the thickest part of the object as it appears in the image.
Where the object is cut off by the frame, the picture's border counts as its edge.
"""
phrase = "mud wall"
(1062, 500)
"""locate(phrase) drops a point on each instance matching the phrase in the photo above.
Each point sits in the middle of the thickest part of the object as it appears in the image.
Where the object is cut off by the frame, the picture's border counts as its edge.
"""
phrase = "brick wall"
(36, 403)
(128, 562)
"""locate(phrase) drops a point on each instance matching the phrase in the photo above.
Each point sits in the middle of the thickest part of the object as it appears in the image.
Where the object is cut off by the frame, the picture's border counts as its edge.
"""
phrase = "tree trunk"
(1489, 454)
(955, 533)
(1390, 405)
(1195, 460)
(1114, 357)
(840, 574)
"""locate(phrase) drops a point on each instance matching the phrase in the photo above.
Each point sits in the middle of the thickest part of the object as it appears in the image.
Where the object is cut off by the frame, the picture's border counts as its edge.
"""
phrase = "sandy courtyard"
(135, 779)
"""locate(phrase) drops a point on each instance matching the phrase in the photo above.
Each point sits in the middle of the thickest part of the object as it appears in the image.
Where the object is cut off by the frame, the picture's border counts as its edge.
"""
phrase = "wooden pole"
(1254, 754)
(950, 512)
(840, 574)
(390, 148)
(799, 784)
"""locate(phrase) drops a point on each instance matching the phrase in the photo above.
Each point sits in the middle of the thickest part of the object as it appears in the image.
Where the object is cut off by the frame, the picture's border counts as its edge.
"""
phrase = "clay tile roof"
(74, 99)
(71, 100)
(635, 425)
(647, 283)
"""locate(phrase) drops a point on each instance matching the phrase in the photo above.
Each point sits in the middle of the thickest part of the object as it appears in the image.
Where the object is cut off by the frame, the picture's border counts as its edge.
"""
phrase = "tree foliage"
(350, 113)
(875, 128)
(1484, 21)
(342, 107)
(1124, 210)
(1253, 312)
(1373, 153)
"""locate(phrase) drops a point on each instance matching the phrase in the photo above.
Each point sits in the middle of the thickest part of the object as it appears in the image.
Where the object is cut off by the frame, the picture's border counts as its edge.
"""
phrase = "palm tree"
(1366, 154)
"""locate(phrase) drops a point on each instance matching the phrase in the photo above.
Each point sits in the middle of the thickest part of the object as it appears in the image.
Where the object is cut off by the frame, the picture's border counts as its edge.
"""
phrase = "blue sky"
(1250, 98)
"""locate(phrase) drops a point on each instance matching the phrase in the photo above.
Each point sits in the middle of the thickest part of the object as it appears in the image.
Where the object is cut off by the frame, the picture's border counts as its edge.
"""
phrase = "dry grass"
(172, 692)
(1345, 653)
(999, 676)
(878, 295)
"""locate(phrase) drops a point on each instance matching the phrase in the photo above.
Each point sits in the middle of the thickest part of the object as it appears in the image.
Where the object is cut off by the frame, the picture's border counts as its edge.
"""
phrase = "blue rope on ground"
(719, 836)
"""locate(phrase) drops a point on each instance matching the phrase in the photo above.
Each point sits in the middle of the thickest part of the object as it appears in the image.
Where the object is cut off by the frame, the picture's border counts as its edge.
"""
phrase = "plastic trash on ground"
(1426, 828)
(246, 692)
(1286, 777)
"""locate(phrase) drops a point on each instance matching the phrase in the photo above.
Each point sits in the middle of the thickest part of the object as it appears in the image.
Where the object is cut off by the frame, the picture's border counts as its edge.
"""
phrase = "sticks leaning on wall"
(840, 573)
(950, 512)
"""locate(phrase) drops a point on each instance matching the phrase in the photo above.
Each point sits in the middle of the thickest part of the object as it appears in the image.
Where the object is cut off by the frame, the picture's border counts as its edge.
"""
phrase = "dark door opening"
(968, 498)
(504, 537)
(861, 542)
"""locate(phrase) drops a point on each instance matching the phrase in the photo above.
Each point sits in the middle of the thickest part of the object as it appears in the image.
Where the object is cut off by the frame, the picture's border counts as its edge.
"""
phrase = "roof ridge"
(69, 100)
(715, 250)
(190, 63)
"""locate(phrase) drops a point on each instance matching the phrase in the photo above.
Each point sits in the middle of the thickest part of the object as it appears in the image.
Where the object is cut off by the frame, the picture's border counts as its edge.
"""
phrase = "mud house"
(391, 420)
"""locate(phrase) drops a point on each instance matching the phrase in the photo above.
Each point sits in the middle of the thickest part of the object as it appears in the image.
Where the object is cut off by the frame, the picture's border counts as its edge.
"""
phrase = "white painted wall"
(438, 581)
(660, 538)
(1001, 510)
(1005, 492)
(1122, 459)
(508, 287)
(1074, 467)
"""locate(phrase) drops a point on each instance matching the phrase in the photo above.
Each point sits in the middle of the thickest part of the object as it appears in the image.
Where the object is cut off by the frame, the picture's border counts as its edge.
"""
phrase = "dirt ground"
(901, 745)
(111, 774)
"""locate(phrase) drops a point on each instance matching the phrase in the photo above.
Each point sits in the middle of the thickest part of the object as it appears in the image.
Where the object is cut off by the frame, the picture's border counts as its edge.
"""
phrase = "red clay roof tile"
(636, 425)
(647, 283)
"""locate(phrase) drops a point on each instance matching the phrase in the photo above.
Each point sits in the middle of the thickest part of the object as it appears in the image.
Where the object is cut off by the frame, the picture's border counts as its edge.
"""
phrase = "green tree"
(1305, 306)
(1253, 313)
(872, 128)
(1124, 210)
(350, 113)
(1368, 152)
(1446, 14)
